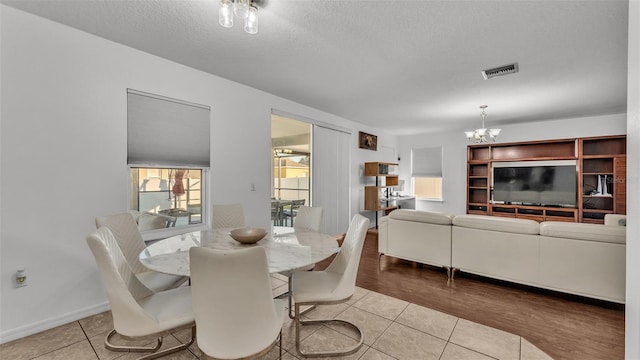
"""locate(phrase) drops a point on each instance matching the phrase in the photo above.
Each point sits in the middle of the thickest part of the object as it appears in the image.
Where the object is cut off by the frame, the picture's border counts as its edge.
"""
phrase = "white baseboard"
(36, 327)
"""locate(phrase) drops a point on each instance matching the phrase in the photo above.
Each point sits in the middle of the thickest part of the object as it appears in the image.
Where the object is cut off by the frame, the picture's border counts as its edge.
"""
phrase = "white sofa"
(421, 236)
(498, 247)
(575, 258)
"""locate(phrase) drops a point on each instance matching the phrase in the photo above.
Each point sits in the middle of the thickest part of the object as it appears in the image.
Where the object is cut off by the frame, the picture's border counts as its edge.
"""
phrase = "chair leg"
(156, 354)
(306, 354)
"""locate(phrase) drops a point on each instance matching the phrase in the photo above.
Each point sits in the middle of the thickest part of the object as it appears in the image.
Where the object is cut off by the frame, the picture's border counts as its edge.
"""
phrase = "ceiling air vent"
(499, 71)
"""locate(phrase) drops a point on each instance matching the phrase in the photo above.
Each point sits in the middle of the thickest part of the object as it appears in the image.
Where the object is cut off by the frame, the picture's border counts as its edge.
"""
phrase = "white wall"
(454, 149)
(63, 154)
(632, 313)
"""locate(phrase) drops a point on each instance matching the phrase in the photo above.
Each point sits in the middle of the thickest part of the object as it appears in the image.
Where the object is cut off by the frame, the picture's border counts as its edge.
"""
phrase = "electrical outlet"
(21, 278)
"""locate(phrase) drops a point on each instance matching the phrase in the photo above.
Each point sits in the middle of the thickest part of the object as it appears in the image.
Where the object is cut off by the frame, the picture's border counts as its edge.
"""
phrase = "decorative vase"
(604, 185)
(599, 187)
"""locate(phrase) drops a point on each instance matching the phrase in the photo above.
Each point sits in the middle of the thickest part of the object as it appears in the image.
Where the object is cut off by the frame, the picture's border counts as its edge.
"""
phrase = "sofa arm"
(383, 234)
(615, 219)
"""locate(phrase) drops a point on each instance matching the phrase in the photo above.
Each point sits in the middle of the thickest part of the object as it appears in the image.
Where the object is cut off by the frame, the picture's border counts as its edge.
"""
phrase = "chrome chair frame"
(155, 353)
(299, 323)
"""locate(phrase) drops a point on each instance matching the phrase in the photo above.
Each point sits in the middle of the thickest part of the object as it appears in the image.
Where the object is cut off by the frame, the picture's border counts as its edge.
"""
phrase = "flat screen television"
(543, 183)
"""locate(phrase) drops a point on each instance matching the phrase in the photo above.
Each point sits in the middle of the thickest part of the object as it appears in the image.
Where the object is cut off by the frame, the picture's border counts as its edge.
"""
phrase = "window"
(429, 188)
(426, 173)
(176, 193)
(168, 151)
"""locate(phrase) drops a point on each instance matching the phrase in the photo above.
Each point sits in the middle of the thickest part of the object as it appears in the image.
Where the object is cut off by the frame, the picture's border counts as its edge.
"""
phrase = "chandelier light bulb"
(251, 21)
(246, 10)
(225, 14)
(241, 8)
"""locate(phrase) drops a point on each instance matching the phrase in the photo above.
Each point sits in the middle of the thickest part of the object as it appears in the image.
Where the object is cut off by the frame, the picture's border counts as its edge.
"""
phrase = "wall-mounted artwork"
(368, 141)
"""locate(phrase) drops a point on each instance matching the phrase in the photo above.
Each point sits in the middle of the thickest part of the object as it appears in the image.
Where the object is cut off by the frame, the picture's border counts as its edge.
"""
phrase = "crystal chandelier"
(483, 134)
(242, 9)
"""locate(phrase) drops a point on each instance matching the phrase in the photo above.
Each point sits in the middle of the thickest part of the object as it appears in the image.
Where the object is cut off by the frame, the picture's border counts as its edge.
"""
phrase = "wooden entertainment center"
(597, 159)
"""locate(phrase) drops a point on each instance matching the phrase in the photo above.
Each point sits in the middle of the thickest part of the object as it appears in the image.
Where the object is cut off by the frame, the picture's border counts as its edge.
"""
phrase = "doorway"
(290, 168)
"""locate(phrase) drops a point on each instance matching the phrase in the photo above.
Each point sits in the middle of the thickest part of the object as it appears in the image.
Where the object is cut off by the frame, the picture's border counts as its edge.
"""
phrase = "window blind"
(166, 132)
(426, 162)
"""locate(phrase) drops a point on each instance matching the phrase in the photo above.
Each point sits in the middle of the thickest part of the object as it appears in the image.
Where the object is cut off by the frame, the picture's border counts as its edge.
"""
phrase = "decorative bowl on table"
(248, 235)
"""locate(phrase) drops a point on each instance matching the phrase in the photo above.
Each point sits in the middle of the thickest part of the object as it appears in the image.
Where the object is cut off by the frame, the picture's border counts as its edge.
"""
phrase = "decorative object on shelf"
(368, 141)
(483, 134)
(601, 187)
(243, 9)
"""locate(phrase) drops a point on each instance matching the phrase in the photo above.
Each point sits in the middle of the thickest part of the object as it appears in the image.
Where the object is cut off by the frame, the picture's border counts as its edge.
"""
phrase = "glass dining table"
(286, 249)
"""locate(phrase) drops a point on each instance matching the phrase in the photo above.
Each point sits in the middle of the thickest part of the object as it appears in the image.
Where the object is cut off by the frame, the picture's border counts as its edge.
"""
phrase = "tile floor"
(392, 328)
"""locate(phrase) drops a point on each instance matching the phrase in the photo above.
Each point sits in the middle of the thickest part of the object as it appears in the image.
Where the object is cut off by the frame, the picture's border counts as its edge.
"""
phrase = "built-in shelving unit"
(599, 160)
(603, 177)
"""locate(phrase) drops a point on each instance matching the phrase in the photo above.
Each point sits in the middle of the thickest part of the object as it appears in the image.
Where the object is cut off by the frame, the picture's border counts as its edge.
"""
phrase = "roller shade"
(426, 162)
(166, 132)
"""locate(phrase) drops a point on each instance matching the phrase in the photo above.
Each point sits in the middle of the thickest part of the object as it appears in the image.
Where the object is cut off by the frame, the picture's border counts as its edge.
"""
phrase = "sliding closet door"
(330, 178)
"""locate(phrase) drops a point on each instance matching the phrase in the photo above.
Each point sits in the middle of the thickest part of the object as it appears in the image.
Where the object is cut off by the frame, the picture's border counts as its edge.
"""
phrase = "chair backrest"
(347, 260)
(232, 301)
(297, 203)
(308, 218)
(126, 232)
(228, 216)
(123, 287)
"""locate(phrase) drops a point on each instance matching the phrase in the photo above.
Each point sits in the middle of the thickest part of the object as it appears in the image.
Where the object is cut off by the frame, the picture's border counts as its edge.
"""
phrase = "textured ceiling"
(406, 66)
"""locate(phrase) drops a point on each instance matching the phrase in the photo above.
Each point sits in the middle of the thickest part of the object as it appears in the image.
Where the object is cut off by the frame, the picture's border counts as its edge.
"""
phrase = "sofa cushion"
(431, 217)
(582, 231)
(494, 223)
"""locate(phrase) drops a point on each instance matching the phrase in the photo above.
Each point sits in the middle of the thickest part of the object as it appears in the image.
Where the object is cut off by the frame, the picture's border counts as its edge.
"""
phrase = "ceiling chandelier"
(242, 9)
(483, 134)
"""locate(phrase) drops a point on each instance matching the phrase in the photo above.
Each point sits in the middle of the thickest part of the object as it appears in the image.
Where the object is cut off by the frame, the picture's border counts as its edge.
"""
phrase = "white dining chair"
(137, 311)
(126, 232)
(333, 285)
(308, 219)
(227, 216)
(236, 315)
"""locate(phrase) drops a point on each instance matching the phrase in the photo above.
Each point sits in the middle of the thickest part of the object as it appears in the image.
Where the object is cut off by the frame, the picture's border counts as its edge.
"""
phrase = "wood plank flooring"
(563, 326)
